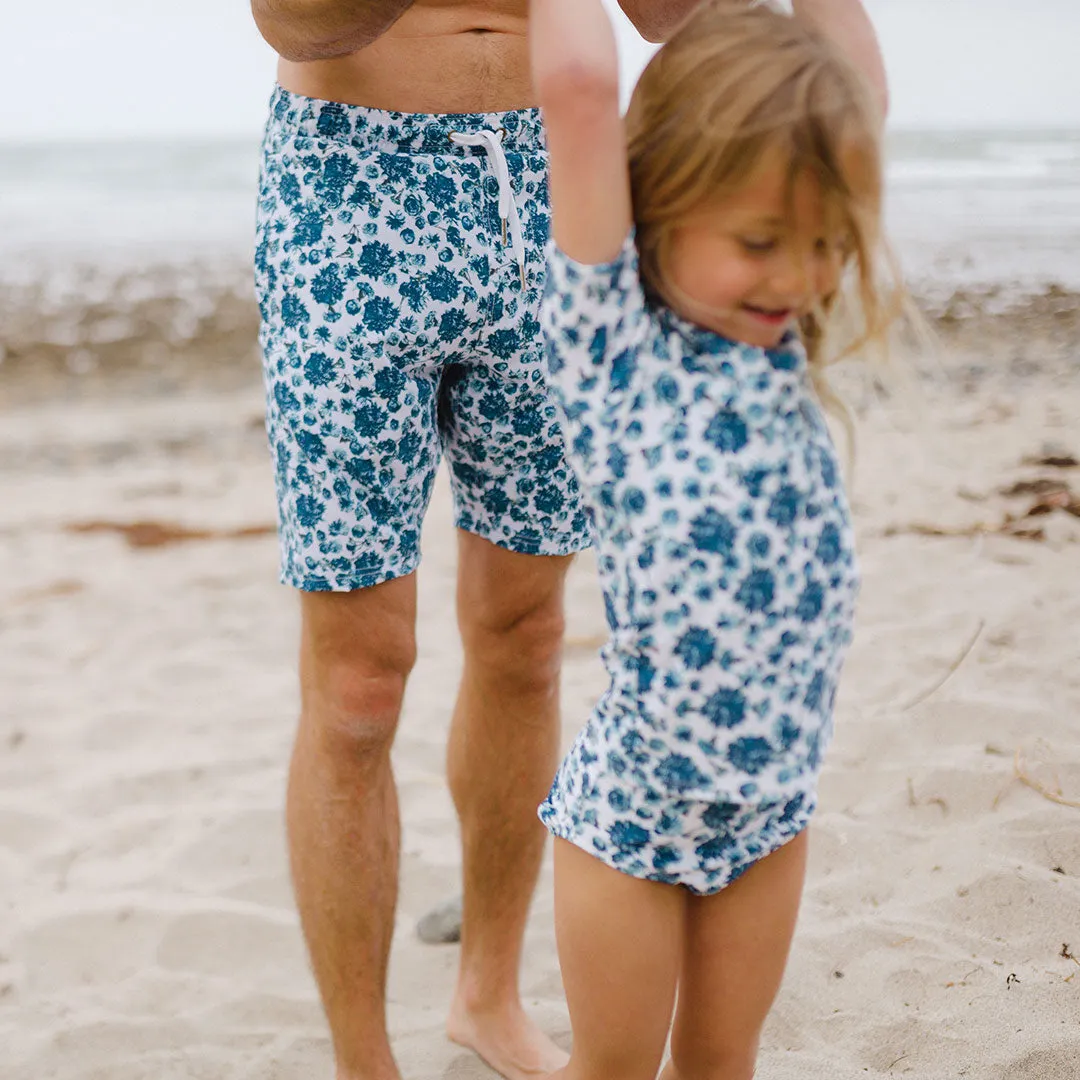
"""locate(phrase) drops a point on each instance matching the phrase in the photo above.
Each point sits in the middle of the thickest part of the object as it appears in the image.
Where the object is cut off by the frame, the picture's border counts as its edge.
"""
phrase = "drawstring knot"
(491, 143)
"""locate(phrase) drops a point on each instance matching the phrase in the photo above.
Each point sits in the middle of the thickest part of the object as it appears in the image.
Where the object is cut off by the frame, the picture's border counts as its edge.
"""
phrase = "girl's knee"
(624, 1063)
(713, 1061)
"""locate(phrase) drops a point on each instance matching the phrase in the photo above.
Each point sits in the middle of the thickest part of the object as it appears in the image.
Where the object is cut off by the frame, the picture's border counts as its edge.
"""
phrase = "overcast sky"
(97, 68)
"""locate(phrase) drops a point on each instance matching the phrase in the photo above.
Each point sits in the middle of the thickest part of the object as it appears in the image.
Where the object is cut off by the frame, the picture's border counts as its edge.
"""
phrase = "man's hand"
(657, 20)
(322, 29)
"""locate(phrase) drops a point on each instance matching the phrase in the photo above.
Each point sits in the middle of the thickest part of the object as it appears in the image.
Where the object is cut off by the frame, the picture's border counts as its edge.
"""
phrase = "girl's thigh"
(620, 947)
(735, 951)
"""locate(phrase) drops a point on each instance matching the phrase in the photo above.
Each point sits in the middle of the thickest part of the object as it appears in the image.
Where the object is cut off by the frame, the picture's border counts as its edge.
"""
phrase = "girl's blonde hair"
(734, 85)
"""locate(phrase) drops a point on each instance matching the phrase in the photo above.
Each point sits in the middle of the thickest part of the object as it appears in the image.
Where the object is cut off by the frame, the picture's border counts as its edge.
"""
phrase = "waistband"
(398, 132)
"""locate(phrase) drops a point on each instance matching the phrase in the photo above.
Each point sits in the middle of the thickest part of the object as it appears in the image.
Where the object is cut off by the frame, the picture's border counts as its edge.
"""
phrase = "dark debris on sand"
(1045, 494)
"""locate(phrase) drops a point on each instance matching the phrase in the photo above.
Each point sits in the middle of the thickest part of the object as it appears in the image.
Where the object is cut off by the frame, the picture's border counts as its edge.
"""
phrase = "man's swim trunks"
(399, 271)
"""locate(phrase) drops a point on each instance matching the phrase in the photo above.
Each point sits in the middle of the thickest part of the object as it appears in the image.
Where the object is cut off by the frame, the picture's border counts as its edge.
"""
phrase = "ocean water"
(993, 209)
(122, 203)
(966, 207)
(93, 233)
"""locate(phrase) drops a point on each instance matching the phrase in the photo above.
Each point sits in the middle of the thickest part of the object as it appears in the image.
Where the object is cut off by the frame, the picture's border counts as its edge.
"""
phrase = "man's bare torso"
(440, 56)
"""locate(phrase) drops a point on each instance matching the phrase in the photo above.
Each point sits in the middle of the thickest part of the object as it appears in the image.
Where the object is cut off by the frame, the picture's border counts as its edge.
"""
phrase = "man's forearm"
(656, 20)
(322, 29)
(846, 23)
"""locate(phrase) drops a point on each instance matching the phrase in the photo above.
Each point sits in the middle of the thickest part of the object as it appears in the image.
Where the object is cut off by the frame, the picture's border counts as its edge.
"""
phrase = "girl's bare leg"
(621, 945)
(734, 954)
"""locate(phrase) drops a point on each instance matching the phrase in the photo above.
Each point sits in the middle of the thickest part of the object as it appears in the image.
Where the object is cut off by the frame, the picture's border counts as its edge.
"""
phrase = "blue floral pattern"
(727, 562)
(394, 328)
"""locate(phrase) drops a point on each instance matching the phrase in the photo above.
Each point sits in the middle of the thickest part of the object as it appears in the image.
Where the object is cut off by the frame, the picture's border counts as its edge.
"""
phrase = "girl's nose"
(792, 277)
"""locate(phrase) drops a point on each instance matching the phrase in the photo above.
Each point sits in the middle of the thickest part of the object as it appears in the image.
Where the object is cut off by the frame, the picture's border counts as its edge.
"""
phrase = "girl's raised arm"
(576, 77)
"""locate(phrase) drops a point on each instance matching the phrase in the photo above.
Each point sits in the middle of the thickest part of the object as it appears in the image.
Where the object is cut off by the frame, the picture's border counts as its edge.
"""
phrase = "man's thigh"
(512, 483)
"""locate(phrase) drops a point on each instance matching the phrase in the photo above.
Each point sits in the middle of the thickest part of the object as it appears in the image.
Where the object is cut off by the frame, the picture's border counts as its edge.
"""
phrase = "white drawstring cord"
(491, 142)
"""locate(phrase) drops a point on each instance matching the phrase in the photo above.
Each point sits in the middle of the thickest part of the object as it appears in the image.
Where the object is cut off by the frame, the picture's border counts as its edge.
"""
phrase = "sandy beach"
(147, 666)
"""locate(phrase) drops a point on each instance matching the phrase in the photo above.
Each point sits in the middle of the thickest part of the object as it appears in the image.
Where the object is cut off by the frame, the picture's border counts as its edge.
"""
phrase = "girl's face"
(748, 267)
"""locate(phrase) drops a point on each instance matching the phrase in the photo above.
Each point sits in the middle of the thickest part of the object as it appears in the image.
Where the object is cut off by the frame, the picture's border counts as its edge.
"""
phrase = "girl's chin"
(751, 331)
(763, 331)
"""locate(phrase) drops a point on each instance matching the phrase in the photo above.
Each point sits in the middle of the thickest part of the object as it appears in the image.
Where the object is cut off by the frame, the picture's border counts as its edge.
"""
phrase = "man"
(399, 267)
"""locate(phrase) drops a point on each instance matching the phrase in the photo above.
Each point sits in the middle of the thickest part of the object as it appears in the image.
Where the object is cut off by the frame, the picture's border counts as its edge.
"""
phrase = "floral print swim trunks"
(399, 270)
(727, 560)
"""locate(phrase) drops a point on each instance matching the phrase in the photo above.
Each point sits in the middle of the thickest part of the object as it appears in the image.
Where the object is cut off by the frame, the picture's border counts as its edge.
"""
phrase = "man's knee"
(353, 672)
(520, 641)
(355, 712)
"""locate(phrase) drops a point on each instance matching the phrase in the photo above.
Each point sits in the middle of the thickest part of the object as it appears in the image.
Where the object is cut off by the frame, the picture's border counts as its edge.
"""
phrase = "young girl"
(696, 269)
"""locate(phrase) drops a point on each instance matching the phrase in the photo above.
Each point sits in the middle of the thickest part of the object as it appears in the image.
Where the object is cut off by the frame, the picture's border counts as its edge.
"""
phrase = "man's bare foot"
(507, 1040)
